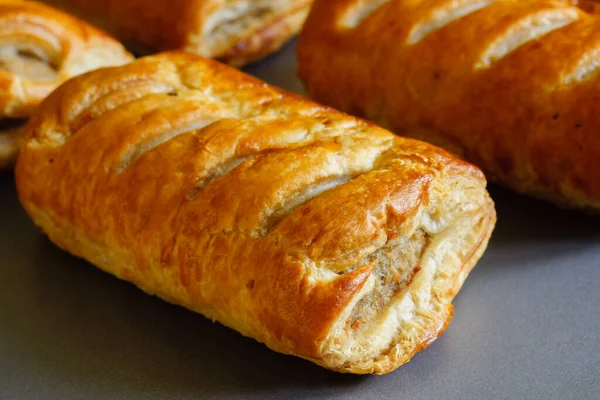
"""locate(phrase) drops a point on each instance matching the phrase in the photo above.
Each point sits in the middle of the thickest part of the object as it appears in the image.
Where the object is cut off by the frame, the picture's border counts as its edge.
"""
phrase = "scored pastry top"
(509, 84)
(40, 47)
(314, 232)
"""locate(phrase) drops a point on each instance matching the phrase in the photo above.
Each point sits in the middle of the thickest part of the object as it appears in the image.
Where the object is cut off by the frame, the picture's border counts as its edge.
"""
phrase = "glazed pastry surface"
(40, 47)
(314, 232)
(511, 85)
(234, 31)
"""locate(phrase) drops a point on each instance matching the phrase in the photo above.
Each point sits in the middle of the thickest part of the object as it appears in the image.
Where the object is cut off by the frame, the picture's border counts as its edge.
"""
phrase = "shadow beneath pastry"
(7, 174)
(11, 221)
(104, 333)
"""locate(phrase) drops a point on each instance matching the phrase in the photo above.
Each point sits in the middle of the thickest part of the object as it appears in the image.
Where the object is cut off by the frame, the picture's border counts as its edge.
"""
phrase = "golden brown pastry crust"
(314, 232)
(40, 47)
(234, 31)
(510, 84)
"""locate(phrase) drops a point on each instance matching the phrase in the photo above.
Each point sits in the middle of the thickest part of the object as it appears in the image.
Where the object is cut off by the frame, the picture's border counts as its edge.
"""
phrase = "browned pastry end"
(233, 31)
(511, 85)
(314, 232)
(40, 47)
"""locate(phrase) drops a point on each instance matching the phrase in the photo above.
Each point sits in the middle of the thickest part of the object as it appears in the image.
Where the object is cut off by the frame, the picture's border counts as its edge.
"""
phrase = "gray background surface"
(526, 324)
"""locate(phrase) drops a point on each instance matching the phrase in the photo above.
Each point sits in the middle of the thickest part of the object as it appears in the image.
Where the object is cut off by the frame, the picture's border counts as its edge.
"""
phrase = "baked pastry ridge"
(316, 233)
(40, 47)
(511, 85)
(234, 31)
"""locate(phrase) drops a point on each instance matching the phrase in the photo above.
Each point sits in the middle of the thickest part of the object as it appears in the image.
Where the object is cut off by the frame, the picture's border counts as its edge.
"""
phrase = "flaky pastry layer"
(511, 85)
(314, 232)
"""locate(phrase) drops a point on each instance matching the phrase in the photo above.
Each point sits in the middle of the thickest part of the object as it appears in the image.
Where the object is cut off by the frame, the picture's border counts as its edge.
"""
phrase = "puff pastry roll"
(311, 231)
(234, 31)
(40, 47)
(511, 85)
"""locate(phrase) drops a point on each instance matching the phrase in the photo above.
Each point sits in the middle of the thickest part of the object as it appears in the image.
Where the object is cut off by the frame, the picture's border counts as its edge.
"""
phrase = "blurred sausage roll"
(511, 85)
(234, 31)
(41, 47)
(314, 232)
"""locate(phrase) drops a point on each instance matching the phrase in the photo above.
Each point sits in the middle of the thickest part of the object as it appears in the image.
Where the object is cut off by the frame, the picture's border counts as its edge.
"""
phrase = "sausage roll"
(511, 85)
(311, 231)
(234, 31)
(41, 47)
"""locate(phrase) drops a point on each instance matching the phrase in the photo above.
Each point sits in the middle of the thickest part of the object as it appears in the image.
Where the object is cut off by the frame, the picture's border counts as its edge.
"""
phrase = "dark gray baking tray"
(526, 324)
